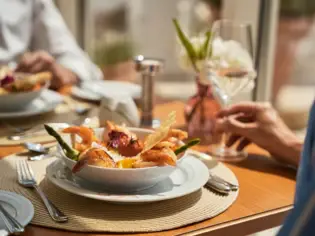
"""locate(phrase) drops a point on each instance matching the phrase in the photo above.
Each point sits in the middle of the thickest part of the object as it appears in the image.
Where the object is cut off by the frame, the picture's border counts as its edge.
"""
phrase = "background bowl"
(19, 100)
(120, 180)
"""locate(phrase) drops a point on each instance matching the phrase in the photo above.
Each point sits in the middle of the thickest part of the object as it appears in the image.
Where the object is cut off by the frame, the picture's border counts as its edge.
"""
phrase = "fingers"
(38, 66)
(247, 108)
(35, 62)
(27, 61)
(233, 124)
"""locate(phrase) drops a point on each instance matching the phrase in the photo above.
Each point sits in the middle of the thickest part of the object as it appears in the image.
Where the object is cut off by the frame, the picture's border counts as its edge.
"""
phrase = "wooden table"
(265, 198)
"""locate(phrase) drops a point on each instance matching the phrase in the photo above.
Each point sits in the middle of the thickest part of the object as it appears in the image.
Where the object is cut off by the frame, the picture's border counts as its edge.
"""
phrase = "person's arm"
(51, 34)
(259, 123)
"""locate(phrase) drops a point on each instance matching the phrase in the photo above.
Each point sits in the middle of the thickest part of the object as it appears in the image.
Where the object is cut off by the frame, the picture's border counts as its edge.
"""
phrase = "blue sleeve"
(301, 220)
(306, 167)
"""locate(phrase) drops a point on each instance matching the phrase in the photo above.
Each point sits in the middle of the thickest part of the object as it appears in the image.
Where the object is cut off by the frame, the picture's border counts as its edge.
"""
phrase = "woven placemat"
(88, 215)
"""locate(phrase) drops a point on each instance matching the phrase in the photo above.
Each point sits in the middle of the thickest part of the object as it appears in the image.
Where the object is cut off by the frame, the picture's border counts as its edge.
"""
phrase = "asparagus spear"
(70, 152)
(183, 148)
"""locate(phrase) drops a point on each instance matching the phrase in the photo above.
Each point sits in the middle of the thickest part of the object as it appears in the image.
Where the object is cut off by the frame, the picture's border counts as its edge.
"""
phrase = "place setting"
(24, 95)
(97, 178)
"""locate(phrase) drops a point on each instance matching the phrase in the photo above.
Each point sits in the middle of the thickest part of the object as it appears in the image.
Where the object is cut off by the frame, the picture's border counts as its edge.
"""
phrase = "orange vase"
(200, 114)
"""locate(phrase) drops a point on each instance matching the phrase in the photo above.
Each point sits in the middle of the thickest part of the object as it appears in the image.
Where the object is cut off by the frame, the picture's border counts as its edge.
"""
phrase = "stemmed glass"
(229, 69)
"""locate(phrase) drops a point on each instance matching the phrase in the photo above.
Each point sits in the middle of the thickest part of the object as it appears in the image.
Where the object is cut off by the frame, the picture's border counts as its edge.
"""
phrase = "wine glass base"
(228, 155)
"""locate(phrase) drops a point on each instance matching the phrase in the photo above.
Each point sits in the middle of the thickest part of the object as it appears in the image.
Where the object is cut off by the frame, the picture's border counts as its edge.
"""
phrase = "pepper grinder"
(148, 67)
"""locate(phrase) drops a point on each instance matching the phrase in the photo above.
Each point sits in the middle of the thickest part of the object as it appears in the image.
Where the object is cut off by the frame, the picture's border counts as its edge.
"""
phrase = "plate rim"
(24, 201)
(77, 95)
(74, 189)
(32, 112)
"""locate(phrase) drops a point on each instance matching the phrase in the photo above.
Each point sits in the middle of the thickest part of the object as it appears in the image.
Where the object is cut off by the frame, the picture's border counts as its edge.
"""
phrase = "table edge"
(271, 219)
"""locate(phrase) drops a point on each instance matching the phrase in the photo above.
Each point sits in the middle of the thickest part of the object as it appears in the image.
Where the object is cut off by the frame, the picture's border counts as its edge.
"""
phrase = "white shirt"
(31, 25)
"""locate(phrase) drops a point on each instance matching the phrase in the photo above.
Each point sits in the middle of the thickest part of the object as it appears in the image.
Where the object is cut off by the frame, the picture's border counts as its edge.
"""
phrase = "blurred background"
(112, 32)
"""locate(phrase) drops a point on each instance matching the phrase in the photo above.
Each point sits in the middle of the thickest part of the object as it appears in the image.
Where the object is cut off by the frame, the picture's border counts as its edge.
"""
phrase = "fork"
(26, 179)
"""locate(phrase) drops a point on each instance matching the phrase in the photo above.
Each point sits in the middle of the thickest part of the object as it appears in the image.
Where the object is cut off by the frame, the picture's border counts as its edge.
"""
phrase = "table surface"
(265, 197)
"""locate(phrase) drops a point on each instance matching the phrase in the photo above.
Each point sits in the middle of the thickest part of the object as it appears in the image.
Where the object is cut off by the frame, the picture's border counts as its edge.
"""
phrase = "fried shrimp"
(159, 156)
(94, 156)
(85, 133)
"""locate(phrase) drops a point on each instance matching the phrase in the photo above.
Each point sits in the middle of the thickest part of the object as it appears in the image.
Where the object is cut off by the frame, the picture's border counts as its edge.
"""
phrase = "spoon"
(36, 147)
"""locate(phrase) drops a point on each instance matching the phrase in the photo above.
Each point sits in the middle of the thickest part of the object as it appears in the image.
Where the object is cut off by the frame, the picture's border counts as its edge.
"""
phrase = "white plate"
(18, 206)
(47, 102)
(94, 91)
(190, 175)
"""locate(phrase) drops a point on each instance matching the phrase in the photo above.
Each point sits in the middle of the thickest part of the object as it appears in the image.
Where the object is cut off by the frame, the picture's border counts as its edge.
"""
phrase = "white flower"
(231, 53)
(184, 60)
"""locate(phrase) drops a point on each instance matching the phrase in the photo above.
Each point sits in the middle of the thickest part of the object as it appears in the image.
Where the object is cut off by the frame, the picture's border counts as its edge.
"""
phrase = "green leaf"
(204, 49)
(186, 43)
(183, 148)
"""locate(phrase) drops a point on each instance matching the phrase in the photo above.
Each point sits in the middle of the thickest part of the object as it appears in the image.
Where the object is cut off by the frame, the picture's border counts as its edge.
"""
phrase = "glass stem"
(223, 140)
(224, 137)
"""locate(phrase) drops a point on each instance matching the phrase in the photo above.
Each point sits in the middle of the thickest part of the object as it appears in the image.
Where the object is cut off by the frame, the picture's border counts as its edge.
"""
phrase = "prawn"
(176, 133)
(160, 156)
(85, 133)
(94, 156)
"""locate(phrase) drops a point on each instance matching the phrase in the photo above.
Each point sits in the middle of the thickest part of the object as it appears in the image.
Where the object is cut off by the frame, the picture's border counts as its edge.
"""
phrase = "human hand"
(259, 123)
(39, 61)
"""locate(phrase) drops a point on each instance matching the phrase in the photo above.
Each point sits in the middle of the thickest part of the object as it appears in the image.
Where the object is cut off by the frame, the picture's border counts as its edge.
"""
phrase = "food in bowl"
(121, 148)
(12, 82)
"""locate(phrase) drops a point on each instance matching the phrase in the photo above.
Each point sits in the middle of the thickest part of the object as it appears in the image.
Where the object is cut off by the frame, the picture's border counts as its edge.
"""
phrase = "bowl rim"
(63, 155)
(45, 86)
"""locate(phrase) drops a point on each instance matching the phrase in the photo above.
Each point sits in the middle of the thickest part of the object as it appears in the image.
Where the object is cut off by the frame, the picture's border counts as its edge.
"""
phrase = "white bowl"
(121, 180)
(19, 100)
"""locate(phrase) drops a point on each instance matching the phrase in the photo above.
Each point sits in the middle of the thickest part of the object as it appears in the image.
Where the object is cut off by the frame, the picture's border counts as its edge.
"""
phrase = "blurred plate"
(46, 102)
(94, 91)
(189, 176)
(17, 206)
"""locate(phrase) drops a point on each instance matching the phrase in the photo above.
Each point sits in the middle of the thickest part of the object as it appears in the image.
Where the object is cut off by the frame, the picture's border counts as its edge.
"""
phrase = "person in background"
(34, 37)
(259, 123)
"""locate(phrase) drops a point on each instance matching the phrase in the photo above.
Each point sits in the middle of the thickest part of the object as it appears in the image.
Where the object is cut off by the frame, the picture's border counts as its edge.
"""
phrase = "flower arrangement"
(194, 50)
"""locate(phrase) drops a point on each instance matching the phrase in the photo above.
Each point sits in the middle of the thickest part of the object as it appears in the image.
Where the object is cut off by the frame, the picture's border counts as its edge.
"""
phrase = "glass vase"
(200, 114)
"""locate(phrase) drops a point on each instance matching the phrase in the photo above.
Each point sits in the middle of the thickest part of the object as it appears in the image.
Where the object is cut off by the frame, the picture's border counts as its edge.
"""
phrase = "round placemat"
(88, 215)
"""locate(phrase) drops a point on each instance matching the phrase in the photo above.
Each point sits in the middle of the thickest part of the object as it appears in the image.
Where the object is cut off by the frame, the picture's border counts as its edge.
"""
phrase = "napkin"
(3, 232)
(119, 109)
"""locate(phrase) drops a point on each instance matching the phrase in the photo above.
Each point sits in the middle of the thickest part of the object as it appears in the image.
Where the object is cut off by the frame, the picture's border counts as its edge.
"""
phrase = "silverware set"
(41, 151)
(215, 183)
(26, 179)
(10, 222)
(220, 185)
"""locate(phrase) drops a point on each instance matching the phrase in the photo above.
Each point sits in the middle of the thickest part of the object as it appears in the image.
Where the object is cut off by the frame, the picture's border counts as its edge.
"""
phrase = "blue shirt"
(301, 220)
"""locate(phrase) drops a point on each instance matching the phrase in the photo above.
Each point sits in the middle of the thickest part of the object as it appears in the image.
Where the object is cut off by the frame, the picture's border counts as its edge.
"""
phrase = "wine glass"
(229, 69)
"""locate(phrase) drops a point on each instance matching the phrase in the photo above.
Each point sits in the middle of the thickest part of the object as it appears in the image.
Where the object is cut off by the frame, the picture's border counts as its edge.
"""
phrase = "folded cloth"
(3, 232)
(119, 109)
